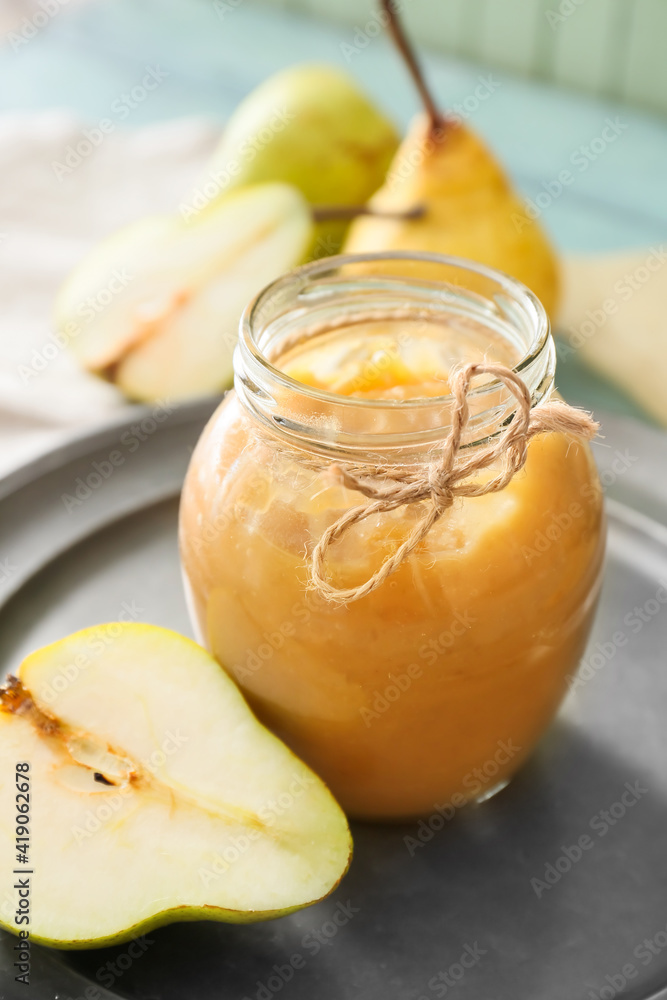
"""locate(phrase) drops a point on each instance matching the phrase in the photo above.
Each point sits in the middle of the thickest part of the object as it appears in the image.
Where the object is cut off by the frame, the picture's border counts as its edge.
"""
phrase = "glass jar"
(435, 687)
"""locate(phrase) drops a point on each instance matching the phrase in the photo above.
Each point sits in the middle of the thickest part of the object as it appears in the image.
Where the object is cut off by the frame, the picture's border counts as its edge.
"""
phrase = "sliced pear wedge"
(156, 307)
(104, 278)
(154, 794)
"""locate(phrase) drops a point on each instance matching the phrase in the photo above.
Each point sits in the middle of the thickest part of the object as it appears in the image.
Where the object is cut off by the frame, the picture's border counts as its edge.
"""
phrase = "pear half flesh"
(155, 795)
(156, 306)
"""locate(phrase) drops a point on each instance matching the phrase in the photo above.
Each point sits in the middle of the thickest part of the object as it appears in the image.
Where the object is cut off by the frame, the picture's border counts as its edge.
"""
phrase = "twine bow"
(448, 477)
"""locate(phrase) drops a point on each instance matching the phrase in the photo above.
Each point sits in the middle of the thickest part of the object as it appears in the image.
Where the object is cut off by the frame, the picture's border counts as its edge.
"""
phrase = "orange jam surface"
(433, 689)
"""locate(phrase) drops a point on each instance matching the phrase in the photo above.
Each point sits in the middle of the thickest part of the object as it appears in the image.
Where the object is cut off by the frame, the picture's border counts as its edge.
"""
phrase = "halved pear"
(99, 279)
(156, 307)
(154, 794)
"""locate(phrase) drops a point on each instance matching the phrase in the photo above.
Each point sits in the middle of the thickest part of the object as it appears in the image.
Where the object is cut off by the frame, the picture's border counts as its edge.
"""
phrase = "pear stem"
(407, 51)
(323, 213)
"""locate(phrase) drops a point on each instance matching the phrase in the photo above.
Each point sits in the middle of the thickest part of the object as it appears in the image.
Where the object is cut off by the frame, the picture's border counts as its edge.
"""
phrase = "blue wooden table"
(87, 56)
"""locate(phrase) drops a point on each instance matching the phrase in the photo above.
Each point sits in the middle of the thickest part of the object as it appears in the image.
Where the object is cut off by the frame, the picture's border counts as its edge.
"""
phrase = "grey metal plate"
(400, 922)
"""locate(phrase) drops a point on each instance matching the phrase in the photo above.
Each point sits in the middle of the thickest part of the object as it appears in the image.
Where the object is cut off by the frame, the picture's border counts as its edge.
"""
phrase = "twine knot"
(440, 489)
(450, 476)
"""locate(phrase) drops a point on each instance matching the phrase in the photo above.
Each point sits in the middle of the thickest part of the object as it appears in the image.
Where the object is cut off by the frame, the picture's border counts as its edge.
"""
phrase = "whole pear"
(309, 126)
(470, 209)
(468, 206)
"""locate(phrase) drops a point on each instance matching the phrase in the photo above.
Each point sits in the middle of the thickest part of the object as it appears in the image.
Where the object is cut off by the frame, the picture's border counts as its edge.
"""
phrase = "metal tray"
(402, 921)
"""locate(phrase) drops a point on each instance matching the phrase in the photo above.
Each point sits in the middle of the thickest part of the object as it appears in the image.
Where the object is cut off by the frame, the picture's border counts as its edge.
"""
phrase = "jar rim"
(329, 290)
(520, 293)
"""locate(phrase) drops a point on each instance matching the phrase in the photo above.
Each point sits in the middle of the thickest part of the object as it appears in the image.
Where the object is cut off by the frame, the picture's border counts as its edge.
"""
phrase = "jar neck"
(399, 290)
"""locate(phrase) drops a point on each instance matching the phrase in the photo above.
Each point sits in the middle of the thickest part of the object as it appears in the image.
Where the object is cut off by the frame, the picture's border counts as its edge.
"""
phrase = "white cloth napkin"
(48, 220)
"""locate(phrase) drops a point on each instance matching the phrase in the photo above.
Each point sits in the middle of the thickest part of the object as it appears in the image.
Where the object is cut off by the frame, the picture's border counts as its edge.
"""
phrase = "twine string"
(447, 478)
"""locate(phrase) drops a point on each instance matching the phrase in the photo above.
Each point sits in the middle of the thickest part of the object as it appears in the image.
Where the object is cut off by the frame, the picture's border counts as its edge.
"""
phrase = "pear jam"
(432, 689)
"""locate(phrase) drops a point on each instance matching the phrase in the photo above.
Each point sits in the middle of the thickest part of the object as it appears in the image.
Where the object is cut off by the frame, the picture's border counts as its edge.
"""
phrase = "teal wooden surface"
(646, 72)
(86, 57)
(610, 47)
(507, 35)
(581, 45)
